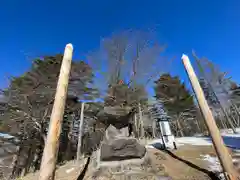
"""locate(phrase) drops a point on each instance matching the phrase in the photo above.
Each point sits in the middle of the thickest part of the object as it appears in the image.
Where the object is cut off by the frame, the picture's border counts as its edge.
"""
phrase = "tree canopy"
(31, 95)
(28, 104)
(172, 93)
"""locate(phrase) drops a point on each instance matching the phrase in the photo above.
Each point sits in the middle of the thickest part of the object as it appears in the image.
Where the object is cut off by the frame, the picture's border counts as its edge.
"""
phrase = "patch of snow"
(229, 131)
(69, 170)
(237, 151)
(214, 164)
(6, 136)
(198, 135)
(231, 141)
(158, 144)
(149, 147)
(198, 141)
(231, 135)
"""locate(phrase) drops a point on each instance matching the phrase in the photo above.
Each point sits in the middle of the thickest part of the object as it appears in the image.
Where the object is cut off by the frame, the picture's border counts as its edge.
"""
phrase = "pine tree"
(175, 98)
(29, 102)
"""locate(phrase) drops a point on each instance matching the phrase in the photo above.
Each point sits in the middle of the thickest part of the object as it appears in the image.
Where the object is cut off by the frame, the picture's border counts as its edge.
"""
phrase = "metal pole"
(50, 153)
(222, 152)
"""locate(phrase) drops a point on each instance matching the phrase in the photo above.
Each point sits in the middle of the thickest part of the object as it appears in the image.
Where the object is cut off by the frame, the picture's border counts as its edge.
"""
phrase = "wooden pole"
(50, 153)
(80, 132)
(222, 152)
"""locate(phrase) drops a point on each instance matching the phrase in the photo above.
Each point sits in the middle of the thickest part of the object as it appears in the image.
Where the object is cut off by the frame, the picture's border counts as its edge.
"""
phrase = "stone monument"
(120, 154)
(117, 145)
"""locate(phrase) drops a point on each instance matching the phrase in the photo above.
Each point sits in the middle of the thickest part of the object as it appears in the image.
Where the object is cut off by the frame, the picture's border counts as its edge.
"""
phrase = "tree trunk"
(215, 95)
(27, 163)
(69, 150)
(154, 128)
(233, 104)
(135, 129)
(80, 132)
(23, 172)
(238, 113)
(37, 157)
(179, 127)
(140, 121)
(30, 158)
(198, 125)
(229, 120)
(233, 117)
(14, 164)
(224, 126)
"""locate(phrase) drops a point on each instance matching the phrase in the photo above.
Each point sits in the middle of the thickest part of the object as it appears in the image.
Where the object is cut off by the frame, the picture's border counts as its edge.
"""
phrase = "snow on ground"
(198, 141)
(213, 165)
(230, 140)
(229, 131)
(6, 136)
(158, 144)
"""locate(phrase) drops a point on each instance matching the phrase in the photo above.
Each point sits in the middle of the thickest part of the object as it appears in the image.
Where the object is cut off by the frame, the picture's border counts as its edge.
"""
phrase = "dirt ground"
(184, 163)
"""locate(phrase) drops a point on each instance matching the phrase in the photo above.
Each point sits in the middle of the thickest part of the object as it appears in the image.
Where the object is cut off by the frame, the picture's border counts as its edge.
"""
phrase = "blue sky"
(35, 28)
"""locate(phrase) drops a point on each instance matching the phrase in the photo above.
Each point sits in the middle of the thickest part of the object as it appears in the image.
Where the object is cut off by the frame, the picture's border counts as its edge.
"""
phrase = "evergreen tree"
(29, 100)
(175, 98)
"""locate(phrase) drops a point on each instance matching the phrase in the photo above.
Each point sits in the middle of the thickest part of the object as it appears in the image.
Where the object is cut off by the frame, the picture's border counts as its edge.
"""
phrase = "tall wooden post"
(50, 153)
(80, 132)
(222, 152)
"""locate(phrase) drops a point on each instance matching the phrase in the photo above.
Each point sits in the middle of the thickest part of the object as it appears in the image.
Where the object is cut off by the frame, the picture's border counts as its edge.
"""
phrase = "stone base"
(128, 169)
(121, 149)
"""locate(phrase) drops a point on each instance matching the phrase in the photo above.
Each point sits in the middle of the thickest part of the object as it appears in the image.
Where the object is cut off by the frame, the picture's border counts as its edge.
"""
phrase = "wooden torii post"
(221, 150)
(50, 153)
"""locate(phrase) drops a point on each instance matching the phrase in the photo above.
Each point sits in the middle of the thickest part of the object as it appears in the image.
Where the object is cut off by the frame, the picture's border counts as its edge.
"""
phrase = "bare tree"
(130, 56)
(217, 84)
(130, 59)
